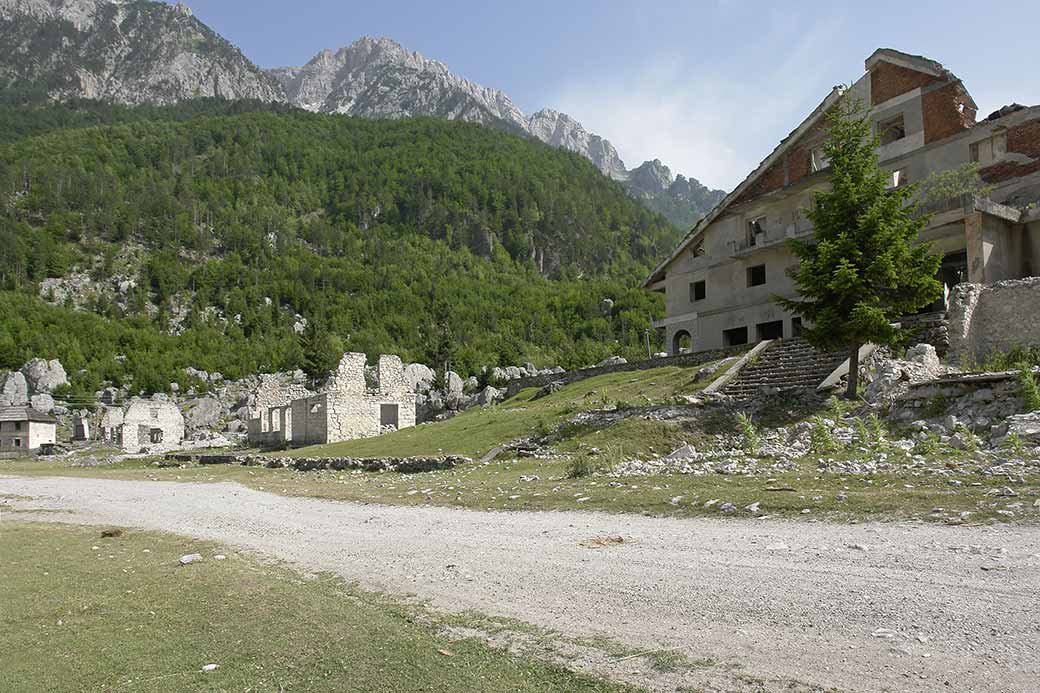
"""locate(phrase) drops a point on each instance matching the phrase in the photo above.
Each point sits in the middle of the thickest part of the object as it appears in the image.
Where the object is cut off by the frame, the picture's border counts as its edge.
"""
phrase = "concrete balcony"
(772, 237)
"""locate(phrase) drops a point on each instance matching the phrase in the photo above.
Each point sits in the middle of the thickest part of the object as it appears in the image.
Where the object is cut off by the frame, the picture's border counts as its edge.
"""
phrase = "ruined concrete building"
(720, 282)
(146, 425)
(347, 408)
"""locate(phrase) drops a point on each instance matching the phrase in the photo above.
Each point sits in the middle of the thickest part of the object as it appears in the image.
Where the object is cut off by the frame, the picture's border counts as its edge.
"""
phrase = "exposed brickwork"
(888, 81)
(1021, 139)
(947, 111)
(789, 168)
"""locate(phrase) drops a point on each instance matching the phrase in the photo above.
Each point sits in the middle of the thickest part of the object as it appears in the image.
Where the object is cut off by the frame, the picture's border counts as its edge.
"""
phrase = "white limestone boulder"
(44, 376)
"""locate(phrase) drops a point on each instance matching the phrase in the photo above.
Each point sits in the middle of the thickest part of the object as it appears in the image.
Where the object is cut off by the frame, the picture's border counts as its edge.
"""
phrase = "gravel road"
(856, 607)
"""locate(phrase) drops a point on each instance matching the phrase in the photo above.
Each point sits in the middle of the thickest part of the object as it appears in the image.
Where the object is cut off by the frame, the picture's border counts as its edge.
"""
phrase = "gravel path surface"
(856, 607)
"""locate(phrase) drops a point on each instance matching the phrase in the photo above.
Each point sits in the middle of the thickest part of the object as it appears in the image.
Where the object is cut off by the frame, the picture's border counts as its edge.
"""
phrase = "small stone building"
(23, 429)
(347, 408)
(270, 420)
(154, 425)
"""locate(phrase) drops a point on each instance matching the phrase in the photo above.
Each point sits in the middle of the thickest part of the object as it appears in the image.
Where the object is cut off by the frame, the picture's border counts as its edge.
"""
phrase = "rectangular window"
(985, 152)
(891, 130)
(17, 425)
(697, 291)
(898, 179)
(796, 327)
(819, 160)
(756, 276)
(756, 228)
(770, 330)
(18, 442)
(735, 336)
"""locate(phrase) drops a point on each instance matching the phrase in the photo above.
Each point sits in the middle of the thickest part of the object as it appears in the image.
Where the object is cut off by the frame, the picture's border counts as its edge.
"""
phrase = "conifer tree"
(864, 268)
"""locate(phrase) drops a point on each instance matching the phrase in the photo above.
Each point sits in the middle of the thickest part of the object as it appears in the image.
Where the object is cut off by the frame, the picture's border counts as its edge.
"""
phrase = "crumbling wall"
(984, 319)
(270, 411)
(346, 409)
(144, 416)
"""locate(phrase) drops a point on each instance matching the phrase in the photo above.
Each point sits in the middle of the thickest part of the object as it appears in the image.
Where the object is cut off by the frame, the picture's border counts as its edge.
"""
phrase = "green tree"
(865, 267)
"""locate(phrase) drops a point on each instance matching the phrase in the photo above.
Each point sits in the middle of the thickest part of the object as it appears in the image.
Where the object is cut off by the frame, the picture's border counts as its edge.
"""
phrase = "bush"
(581, 465)
(821, 440)
(1028, 389)
(749, 432)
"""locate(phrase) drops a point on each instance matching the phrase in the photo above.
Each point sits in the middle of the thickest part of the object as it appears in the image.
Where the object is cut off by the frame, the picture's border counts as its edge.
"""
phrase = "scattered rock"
(207, 668)
(190, 558)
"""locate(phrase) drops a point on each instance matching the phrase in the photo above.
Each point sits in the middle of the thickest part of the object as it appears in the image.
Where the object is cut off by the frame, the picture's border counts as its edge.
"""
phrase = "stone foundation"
(984, 319)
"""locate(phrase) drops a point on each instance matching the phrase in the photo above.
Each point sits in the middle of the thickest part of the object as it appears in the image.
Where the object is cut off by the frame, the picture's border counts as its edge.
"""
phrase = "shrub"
(749, 432)
(929, 445)
(1028, 389)
(821, 440)
(581, 465)
(1013, 444)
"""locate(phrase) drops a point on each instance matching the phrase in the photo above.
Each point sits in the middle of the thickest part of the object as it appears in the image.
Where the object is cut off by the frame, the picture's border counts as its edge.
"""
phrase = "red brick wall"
(797, 159)
(1021, 139)
(947, 111)
(888, 81)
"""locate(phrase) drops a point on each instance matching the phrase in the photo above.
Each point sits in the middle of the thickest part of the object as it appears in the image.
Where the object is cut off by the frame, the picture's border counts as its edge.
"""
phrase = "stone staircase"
(929, 328)
(786, 364)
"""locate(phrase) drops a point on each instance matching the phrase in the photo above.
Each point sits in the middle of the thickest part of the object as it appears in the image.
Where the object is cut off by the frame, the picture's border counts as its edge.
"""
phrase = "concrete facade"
(23, 429)
(994, 318)
(347, 409)
(720, 282)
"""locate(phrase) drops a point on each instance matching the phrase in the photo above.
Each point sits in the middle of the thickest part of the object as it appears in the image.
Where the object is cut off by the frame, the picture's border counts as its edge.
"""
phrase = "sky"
(709, 88)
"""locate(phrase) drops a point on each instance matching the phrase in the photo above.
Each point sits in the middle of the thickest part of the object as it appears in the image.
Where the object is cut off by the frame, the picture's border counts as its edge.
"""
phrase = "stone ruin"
(347, 408)
(270, 411)
(146, 425)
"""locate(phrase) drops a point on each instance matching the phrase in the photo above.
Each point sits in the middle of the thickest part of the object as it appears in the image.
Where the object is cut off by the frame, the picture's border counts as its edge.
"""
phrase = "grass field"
(478, 430)
(545, 484)
(82, 612)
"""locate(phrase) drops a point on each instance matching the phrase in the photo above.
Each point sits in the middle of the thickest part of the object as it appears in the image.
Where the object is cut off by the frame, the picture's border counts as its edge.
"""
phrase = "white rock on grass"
(190, 558)
(207, 668)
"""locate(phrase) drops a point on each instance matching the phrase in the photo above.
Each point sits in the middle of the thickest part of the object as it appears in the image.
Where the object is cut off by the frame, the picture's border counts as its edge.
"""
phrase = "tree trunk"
(850, 391)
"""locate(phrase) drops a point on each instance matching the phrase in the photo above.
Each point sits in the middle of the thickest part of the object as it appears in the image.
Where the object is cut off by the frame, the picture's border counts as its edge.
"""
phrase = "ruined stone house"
(347, 408)
(270, 410)
(152, 425)
(720, 282)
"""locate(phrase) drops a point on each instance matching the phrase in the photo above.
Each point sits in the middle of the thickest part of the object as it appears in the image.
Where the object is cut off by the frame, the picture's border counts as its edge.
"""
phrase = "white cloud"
(712, 122)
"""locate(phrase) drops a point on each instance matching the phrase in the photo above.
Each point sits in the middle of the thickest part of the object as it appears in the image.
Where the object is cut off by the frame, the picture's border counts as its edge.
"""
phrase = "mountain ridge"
(140, 52)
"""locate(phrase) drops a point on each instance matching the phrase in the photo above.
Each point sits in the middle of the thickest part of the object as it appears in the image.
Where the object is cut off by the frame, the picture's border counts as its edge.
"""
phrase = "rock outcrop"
(127, 52)
(44, 376)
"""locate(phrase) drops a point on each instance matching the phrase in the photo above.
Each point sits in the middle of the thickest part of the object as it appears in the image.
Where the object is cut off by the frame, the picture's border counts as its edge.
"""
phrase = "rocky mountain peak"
(650, 178)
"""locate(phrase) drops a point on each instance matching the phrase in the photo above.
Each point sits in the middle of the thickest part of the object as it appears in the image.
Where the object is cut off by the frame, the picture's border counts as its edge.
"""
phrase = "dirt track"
(781, 601)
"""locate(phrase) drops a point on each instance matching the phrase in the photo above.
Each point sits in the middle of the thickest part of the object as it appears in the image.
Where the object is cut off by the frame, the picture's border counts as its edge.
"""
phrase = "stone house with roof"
(23, 429)
(720, 282)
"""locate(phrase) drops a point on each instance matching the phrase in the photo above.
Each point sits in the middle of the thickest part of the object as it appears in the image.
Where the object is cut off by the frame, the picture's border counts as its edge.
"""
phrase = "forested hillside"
(231, 226)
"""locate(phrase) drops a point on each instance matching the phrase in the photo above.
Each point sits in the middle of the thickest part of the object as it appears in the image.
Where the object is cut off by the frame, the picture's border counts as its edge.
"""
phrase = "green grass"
(81, 612)
(475, 432)
(510, 485)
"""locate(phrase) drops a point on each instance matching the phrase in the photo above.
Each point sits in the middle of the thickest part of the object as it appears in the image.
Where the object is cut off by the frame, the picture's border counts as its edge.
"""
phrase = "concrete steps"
(787, 364)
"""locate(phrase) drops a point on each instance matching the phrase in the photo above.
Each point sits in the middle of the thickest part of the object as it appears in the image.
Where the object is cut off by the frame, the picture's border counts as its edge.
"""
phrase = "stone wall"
(347, 409)
(143, 417)
(984, 319)
(569, 377)
(404, 465)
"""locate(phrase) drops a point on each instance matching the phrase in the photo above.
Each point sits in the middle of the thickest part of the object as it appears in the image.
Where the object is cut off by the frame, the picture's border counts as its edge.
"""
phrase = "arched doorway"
(682, 343)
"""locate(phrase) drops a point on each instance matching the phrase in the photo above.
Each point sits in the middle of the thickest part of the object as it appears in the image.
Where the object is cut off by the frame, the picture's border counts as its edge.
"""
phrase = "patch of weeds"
(581, 465)
(1015, 357)
(836, 408)
(749, 432)
(1028, 389)
(821, 439)
(971, 441)
(1013, 444)
(936, 407)
(928, 446)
